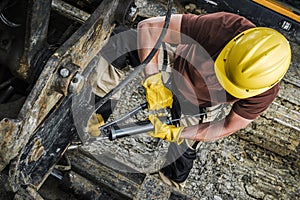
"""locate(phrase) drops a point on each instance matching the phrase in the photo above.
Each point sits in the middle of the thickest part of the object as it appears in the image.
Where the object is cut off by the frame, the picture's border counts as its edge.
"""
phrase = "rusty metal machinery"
(47, 56)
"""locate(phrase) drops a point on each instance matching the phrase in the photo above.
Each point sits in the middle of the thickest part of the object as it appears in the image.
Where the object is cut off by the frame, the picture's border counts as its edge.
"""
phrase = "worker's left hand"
(166, 132)
(94, 123)
(158, 96)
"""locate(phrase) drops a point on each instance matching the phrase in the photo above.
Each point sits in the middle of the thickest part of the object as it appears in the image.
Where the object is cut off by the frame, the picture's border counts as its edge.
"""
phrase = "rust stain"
(90, 44)
(48, 98)
(9, 130)
(36, 151)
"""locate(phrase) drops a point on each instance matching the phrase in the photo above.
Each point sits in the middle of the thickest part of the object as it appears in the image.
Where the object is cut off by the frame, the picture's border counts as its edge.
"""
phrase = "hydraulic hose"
(140, 68)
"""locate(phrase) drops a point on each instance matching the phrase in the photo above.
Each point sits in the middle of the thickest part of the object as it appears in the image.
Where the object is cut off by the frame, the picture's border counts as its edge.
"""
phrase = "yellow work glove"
(94, 123)
(166, 132)
(157, 95)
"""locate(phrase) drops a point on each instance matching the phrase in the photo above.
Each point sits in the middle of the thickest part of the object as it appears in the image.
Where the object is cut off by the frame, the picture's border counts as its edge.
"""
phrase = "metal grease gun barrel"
(116, 131)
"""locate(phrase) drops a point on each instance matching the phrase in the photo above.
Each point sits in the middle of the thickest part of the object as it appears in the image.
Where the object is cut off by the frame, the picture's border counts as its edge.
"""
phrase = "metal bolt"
(64, 72)
(76, 83)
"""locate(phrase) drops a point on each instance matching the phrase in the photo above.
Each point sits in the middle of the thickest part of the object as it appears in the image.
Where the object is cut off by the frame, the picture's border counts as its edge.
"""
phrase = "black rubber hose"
(143, 64)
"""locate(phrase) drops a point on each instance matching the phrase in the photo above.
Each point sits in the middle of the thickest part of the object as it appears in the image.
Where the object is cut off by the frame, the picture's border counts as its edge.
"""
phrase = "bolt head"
(64, 72)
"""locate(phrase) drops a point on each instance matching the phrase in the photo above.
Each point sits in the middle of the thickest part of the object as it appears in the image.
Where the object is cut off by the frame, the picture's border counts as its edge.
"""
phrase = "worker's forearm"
(215, 130)
(151, 68)
(149, 31)
(206, 131)
(146, 42)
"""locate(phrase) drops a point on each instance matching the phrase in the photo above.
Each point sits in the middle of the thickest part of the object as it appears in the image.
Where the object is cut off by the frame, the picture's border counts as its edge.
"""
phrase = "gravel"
(235, 167)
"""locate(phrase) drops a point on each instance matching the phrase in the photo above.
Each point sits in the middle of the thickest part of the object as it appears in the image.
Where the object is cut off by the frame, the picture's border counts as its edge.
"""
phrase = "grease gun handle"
(116, 132)
(131, 129)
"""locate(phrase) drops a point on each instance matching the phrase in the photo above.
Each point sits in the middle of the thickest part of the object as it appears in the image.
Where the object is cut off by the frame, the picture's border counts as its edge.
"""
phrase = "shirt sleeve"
(189, 23)
(212, 31)
(252, 107)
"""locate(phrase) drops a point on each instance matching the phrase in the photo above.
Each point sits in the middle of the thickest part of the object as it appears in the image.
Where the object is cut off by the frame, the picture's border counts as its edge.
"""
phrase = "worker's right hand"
(170, 133)
(158, 96)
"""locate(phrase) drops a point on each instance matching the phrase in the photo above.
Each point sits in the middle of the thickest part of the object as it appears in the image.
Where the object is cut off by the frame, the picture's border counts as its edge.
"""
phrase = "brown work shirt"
(203, 39)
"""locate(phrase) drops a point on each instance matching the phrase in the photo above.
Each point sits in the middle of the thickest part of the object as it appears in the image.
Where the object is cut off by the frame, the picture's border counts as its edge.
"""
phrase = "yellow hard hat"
(253, 62)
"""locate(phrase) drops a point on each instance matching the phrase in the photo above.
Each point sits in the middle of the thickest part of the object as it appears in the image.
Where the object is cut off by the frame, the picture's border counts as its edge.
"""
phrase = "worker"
(220, 58)
(205, 61)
